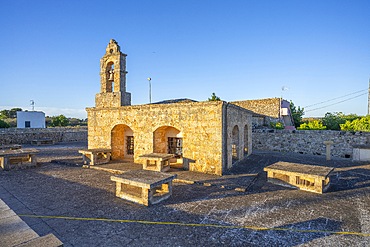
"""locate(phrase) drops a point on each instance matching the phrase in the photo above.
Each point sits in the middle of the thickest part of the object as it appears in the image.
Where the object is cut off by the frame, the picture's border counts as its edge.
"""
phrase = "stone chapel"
(206, 137)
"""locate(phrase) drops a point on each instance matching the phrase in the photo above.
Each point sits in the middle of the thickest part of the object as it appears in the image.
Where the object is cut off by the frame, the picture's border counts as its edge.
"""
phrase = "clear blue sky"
(239, 49)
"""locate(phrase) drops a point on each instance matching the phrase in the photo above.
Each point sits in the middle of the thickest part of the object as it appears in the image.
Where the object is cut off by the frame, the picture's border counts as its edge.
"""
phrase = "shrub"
(278, 125)
(312, 125)
(4, 124)
(359, 124)
(351, 117)
(59, 121)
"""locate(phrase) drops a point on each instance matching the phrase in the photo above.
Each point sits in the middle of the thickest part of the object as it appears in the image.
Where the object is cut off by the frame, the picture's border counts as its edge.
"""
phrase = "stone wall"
(238, 133)
(25, 136)
(199, 124)
(267, 107)
(309, 141)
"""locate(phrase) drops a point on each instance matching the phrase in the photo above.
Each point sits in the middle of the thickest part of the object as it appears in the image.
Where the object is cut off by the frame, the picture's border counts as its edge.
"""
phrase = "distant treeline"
(337, 121)
(8, 119)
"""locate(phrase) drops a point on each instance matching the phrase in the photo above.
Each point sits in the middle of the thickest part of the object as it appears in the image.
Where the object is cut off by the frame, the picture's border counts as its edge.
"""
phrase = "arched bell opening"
(109, 74)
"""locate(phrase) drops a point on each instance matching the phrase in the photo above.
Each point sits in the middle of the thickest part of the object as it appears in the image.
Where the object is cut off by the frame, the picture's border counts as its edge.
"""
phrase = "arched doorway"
(235, 144)
(167, 139)
(122, 142)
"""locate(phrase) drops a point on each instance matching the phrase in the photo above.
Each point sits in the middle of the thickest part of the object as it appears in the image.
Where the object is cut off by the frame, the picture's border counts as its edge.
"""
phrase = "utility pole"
(368, 100)
(32, 104)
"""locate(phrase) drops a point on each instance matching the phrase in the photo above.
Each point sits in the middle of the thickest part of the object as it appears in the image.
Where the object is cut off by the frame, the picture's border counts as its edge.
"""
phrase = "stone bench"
(361, 153)
(40, 142)
(156, 161)
(95, 156)
(18, 158)
(305, 177)
(143, 186)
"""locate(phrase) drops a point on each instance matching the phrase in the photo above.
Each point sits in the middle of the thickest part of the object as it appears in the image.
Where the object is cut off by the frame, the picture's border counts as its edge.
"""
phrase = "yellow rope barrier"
(254, 228)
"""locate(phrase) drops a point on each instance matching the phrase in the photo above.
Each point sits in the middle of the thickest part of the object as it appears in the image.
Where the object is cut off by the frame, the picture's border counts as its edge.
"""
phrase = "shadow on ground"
(61, 190)
(76, 192)
(302, 232)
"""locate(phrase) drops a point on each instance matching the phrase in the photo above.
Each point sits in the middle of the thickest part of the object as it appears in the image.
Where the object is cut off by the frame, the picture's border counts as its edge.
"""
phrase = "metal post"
(368, 100)
(150, 89)
(33, 105)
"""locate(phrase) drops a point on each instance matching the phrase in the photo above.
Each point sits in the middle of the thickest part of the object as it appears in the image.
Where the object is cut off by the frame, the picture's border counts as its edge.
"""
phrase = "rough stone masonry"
(204, 136)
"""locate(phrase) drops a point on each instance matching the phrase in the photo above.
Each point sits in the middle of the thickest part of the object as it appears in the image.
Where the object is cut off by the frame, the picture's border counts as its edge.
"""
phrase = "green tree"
(351, 117)
(4, 124)
(12, 113)
(4, 114)
(214, 98)
(59, 121)
(11, 121)
(297, 113)
(48, 121)
(74, 121)
(332, 121)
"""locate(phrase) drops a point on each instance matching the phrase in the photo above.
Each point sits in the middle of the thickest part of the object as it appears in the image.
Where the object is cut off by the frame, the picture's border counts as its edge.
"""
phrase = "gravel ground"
(274, 215)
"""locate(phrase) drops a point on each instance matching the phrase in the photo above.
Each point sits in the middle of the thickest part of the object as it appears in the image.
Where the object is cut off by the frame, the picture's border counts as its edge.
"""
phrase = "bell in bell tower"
(113, 78)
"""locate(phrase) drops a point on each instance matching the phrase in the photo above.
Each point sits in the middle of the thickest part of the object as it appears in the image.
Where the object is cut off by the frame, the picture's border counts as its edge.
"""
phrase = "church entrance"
(122, 142)
(167, 139)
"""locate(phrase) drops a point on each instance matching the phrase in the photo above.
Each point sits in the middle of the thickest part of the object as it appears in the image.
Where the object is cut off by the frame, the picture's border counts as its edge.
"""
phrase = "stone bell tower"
(113, 78)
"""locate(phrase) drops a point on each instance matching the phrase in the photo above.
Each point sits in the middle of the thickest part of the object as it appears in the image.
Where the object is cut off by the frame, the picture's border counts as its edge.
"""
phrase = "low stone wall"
(302, 141)
(25, 136)
(309, 141)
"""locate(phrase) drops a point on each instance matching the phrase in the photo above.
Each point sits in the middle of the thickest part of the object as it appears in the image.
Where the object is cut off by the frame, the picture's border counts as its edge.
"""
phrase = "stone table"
(156, 161)
(95, 156)
(143, 186)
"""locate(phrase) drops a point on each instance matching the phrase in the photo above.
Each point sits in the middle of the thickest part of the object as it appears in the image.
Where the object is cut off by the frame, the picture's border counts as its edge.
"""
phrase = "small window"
(175, 146)
(234, 153)
(130, 145)
(27, 124)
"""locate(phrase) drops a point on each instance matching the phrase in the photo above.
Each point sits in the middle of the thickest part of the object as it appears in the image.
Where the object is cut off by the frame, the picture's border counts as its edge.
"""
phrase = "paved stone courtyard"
(209, 212)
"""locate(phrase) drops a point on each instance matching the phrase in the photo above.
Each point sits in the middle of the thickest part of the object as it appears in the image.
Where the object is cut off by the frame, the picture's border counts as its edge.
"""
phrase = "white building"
(30, 119)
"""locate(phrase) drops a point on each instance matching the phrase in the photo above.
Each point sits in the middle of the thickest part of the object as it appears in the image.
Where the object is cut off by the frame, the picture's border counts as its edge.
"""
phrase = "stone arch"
(122, 142)
(235, 144)
(168, 139)
(246, 141)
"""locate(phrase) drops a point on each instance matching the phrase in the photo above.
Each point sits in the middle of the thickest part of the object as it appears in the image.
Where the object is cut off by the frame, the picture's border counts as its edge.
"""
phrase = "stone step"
(46, 241)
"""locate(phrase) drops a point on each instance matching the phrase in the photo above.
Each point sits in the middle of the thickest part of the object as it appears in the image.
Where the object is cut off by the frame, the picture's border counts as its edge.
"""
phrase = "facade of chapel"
(206, 137)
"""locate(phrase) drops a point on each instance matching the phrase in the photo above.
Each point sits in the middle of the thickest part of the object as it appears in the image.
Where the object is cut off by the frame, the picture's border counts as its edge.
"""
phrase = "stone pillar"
(165, 188)
(118, 189)
(146, 196)
(328, 145)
